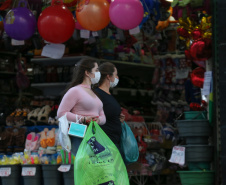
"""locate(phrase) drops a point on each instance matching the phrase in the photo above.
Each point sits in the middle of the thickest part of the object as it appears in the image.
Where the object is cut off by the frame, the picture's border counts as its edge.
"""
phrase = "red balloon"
(200, 50)
(93, 15)
(183, 32)
(197, 77)
(56, 23)
(196, 34)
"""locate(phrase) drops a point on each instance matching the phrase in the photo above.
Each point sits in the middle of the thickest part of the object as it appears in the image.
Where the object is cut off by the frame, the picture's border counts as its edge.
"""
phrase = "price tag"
(28, 171)
(134, 31)
(64, 168)
(55, 51)
(5, 172)
(182, 73)
(95, 34)
(17, 42)
(207, 83)
(178, 155)
(84, 34)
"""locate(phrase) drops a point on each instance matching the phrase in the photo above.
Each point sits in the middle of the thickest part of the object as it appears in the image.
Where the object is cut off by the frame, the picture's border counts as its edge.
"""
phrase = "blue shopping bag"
(128, 145)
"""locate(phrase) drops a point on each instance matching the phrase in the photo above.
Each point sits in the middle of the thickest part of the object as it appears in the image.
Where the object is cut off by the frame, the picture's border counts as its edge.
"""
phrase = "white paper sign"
(64, 168)
(178, 155)
(5, 172)
(182, 73)
(95, 34)
(55, 51)
(207, 83)
(84, 34)
(28, 171)
(17, 42)
(134, 31)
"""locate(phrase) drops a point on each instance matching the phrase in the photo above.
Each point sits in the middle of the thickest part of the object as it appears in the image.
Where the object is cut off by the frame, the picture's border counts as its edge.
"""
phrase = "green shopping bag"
(98, 161)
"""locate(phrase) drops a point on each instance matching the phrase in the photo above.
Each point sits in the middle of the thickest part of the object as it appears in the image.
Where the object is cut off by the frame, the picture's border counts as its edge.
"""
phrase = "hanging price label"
(134, 31)
(84, 34)
(64, 168)
(178, 155)
(5, 172)
(55, 51)
(95, 34)
(17, 42)
(28, 171)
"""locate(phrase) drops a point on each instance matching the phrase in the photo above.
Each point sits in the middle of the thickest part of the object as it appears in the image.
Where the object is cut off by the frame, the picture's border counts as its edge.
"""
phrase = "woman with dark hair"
(109, 79)
(80, 102)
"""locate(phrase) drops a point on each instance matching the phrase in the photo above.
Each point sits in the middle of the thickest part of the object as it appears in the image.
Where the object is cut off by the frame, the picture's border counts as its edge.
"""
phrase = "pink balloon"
(109, 1)
(78, 26)
(126, 14)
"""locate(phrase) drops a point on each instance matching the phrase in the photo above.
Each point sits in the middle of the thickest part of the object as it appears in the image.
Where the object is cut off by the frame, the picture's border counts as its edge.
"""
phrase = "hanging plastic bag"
(128, 145)
(64, 139)
(98, 161)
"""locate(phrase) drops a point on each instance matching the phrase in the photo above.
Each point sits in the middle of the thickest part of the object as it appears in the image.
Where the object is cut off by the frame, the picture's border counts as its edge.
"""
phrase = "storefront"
(169, 88)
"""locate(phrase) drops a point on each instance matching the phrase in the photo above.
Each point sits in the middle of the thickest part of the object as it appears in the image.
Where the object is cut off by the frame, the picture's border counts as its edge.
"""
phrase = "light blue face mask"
(115, 83)
(96, 79)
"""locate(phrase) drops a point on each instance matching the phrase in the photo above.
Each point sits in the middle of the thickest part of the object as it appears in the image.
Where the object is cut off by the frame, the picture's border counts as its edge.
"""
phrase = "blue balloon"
(151, 9)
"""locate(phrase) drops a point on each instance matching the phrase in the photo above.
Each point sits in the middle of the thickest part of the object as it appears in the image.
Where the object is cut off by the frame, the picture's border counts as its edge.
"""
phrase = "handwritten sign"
(55, 51)
(5, 172)
(84, 34)
(17, 42)
(28, 171)
(178, 155)
(134, 30)
(64, 168)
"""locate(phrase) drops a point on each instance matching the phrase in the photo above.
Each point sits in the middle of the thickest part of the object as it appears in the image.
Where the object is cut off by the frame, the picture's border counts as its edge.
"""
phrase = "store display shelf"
(65, 61)
(59, 84)
(132, 90)
(171, 55)
(129, 63)
(8, 53)
(15, 94)
(72, 60)
(7, 74)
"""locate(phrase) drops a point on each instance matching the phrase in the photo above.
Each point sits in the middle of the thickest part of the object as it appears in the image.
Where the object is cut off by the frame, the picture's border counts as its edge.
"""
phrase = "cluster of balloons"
(56, 23)
(197, 37)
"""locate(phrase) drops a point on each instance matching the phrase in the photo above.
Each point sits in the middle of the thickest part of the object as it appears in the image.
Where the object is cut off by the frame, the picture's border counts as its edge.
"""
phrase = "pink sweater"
(78, 101)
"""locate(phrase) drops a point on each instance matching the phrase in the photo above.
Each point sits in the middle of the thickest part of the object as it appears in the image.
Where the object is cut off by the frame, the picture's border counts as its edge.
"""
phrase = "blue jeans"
(75, 143)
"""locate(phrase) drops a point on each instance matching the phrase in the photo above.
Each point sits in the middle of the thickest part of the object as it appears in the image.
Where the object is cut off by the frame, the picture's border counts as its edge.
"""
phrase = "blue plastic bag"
(128, 145)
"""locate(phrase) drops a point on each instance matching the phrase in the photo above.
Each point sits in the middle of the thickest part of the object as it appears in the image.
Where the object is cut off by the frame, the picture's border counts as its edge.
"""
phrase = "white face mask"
(115, 83)
(96, 79)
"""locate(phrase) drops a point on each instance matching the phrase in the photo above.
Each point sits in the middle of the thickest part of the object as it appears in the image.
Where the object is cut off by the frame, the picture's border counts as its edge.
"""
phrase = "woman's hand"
(88, 119)
(122, 117)
(96, 119)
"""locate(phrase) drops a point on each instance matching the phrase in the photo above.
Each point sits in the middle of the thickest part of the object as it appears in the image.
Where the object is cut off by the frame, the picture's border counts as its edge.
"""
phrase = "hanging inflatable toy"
(93, 15)
(126, 14)
(56, 23)
(20, 23)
